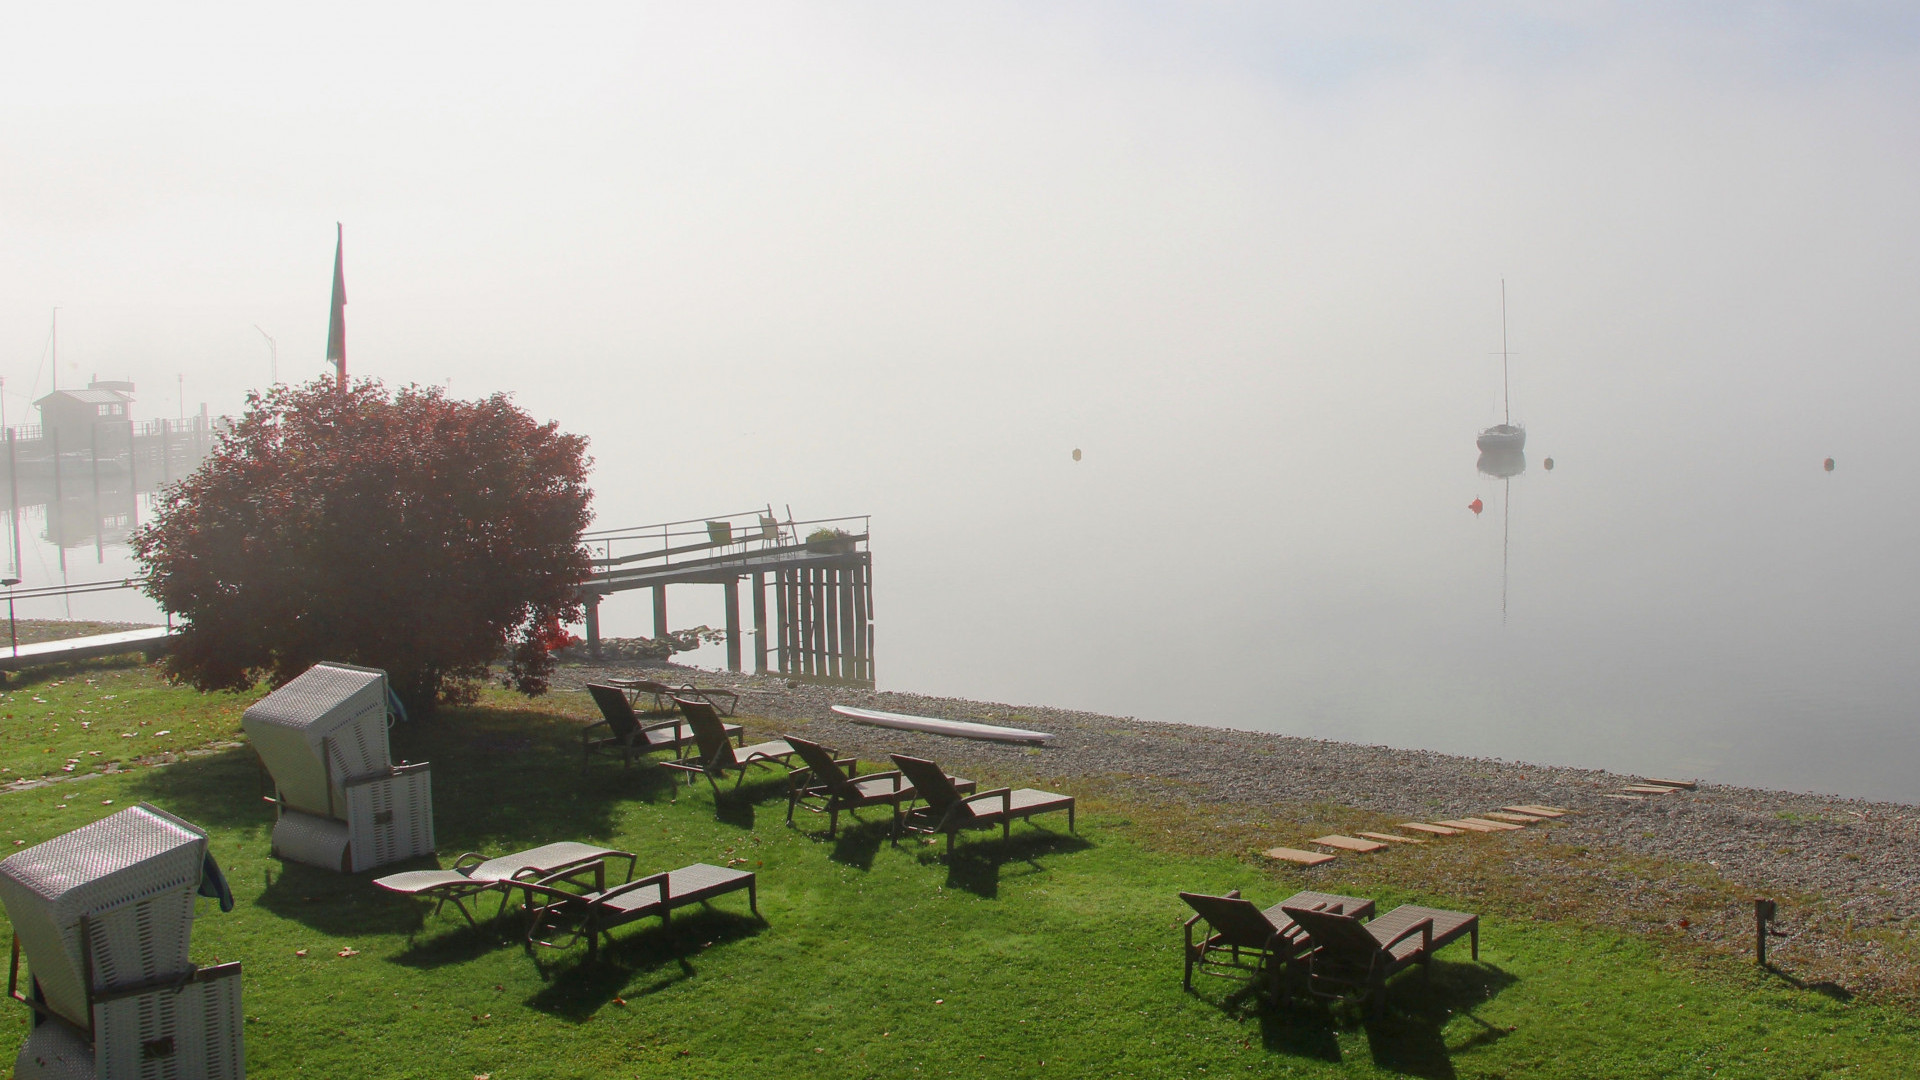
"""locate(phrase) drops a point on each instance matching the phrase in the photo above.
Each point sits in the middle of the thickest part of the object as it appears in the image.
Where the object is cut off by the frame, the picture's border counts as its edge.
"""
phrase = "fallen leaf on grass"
(299, 952)
(106, 802)
(348, 952)
(163, 731)
(619, 1001)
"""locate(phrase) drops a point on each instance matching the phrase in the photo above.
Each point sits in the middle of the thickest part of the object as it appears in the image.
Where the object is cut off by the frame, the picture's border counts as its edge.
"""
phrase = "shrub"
(418, 534)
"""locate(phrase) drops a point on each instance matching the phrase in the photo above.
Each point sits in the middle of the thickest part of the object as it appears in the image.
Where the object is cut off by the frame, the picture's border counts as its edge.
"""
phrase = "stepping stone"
(1347, 843)
(1649, 789)
(1421, 826)
(1493, 824)
(1472, 826)
(1390, 838)
(1517, 819)
(1537, 811)
(1295, 855)
(1625, 798)
(1685, 785)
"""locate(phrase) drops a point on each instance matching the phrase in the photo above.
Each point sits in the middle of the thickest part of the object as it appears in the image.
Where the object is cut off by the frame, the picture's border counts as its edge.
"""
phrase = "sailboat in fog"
(1506, 436)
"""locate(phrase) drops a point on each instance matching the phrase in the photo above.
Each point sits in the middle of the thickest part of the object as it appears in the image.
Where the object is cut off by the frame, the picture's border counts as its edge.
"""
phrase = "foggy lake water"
(1246, 260)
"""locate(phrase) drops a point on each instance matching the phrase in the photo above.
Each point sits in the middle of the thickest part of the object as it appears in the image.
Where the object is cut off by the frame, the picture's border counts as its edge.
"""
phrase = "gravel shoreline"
(1861, 857)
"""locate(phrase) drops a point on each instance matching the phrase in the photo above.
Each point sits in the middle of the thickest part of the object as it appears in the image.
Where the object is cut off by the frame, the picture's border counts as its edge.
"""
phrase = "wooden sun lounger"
(829, 785)
(627, 735)
(715, 757)
(1254, 941)
(464, 880)
(566, 917)
(1349, 956)
(663, 693)
(948, 811)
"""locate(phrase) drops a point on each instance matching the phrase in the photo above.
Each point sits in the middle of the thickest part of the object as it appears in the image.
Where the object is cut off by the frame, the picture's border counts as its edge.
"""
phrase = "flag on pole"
(337, 325)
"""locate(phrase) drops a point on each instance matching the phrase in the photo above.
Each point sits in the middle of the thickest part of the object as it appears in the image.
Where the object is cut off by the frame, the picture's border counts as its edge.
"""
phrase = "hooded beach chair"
(468, 879)
(627, 735)
(829, 785)
(342, 803)
(948, 810)
(714, 757)
(1350, 957)
(103, 916)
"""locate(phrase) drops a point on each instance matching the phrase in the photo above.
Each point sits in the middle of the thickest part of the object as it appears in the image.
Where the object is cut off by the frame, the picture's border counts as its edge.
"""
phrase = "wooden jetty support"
(819, 572)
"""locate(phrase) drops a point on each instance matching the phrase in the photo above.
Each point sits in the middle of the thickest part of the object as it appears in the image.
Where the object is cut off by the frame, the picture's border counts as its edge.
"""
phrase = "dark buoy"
(1829, 465)
(1547, 464)
(1476, 506)
(1076, 455)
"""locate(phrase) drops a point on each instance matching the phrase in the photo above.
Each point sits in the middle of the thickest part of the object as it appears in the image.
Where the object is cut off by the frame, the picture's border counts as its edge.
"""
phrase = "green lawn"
(1055, 955)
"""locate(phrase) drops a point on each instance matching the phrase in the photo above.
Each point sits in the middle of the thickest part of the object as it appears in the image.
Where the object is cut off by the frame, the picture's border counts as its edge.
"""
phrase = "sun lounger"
(627, 736)
(1260, 942)
(828, 785)
(564, 917)
(714, 756)
(948, 811)
(1349, 956)
(663, 694)
(466, 879)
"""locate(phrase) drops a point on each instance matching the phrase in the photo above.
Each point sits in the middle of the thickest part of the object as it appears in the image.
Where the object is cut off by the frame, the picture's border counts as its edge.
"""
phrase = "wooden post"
(759, 624)
(593, 625)
(133, 485)
(733, 624)
(659, 613)
(93, 455)
(13, 498)
(830, 600)
(849, 656)
(783, 618)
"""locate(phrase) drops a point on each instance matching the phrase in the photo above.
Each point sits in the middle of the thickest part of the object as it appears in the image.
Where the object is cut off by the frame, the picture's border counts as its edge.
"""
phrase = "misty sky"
(896, 260)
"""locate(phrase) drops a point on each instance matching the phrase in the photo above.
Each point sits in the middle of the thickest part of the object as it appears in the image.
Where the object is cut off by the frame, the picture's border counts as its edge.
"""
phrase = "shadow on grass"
(735, 805)
(978, 866)
(636, 963)
(1824, 987)
(1410, 1038)
(223, 789)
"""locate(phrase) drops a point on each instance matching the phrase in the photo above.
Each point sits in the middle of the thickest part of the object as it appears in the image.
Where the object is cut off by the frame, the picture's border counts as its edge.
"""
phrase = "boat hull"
(1502, 438)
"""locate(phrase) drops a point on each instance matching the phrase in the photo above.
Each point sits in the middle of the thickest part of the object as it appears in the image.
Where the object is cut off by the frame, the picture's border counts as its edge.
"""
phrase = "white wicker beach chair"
(103, 915)
(343, 804)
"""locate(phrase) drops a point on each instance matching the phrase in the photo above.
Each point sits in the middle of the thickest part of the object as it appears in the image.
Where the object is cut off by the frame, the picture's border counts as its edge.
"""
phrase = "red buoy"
(1476, 506)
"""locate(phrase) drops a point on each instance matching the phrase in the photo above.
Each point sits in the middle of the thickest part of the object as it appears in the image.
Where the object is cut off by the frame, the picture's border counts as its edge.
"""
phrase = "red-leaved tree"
(415, 533)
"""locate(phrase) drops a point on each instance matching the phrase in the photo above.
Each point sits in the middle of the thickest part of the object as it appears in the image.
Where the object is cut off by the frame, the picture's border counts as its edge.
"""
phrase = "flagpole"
(337, 316)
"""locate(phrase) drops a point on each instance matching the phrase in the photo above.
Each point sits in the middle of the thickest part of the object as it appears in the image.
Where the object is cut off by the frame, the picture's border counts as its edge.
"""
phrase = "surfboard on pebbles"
(962, 729)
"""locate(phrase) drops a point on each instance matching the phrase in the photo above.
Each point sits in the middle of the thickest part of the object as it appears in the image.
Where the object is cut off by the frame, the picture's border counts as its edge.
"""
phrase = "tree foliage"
(414, 533)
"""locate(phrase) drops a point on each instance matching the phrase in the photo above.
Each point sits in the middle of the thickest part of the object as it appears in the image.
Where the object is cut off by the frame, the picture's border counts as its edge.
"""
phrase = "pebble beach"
(1851, 867)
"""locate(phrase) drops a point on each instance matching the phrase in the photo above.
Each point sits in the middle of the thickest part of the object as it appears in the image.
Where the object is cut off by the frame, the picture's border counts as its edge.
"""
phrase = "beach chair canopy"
(130, 878)
(322, 729)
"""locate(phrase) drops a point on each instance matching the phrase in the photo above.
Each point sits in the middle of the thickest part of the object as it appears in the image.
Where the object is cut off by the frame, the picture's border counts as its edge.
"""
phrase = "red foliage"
(417, 534)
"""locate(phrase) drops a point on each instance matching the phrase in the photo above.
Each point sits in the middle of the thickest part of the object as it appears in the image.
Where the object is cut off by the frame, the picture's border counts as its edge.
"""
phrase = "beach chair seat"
(947, 810)
(1350, 957)
(826, 784)
(563, 917)
(474, 873)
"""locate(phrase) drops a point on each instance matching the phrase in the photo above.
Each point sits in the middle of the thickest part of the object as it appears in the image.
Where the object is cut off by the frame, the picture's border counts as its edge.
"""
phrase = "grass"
(1052, 955)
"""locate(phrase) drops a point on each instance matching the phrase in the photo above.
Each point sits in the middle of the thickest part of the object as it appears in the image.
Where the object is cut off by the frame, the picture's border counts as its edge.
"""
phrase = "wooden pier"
(819, 574)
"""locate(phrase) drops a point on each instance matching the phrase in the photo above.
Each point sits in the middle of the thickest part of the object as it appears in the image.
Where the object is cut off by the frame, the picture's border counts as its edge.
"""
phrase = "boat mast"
(1506, 400)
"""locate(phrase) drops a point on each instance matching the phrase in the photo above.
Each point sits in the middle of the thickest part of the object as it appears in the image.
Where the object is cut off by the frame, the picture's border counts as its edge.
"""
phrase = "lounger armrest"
(1423, 927)
(673, 723)
(464, 856)
(659, 879)
(586, 733)
(1005, 795)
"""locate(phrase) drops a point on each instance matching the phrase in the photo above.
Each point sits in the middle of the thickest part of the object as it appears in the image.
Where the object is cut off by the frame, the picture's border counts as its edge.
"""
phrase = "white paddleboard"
(934, 726)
